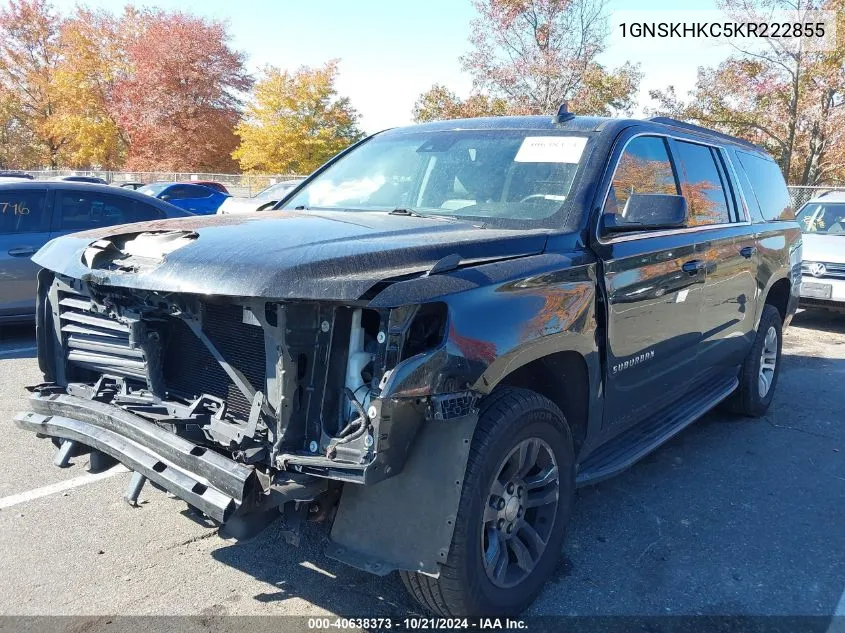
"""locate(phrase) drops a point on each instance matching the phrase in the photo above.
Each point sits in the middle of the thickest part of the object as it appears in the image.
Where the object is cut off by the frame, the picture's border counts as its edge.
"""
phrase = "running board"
(632, 445)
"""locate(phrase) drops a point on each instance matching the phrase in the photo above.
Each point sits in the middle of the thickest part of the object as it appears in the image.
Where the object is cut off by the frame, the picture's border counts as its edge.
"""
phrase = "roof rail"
(683, 125)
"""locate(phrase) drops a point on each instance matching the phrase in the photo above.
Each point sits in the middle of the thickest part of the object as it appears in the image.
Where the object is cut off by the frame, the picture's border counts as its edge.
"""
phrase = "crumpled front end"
(207, 480)
(238, 406)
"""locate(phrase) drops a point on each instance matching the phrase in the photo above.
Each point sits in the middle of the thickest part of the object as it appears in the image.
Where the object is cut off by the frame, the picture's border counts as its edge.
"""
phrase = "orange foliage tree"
(147, 89)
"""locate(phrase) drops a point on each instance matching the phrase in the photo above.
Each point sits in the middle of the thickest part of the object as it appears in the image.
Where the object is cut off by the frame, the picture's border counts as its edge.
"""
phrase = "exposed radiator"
(190, 370)
(97, 342)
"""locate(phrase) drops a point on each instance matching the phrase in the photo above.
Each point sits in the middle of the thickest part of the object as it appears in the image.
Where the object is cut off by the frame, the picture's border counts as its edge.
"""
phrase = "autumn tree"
(146, 89)
(295, 121)
(441, 103)
(18, 147)
(787, 98)
(529, 56)
(537, 54)
(93, 60)
(30, 55)
(179, 102)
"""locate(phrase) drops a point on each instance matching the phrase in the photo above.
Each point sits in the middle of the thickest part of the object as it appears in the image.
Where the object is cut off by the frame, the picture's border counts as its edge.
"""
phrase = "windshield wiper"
(410, 213)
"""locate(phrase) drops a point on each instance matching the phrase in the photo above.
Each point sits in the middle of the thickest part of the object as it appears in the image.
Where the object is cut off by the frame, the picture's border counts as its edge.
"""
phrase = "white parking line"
(44, 491)
(17, 350)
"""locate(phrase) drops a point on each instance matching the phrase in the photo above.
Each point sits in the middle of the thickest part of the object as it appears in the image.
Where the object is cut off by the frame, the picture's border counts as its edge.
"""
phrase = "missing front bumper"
(216, 485)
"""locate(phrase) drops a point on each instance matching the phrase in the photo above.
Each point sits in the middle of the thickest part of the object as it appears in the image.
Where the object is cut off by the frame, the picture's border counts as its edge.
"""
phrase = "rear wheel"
(759, 375)
(514, 508)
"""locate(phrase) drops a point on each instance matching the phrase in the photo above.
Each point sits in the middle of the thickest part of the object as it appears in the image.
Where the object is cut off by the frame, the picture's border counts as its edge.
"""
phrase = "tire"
(510, 419)
(749, 399)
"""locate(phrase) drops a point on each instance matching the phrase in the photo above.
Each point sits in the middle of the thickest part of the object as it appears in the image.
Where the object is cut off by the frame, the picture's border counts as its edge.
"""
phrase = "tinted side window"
(81, 210)
(701, 185)
(142, 212)
(747, 191)
(644, 167)
(23, 211)
(189, 193)
(174, 193)
(768, 186)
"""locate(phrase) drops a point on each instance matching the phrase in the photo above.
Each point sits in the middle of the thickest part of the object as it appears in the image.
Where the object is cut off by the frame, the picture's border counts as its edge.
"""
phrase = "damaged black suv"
(431, 342)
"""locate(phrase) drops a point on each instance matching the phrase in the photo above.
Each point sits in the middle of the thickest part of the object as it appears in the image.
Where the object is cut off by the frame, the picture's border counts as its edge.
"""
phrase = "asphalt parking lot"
(731, 517)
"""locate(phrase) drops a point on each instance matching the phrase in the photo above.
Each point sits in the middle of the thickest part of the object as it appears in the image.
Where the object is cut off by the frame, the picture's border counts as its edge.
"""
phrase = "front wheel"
(515, 505)
(759, 374)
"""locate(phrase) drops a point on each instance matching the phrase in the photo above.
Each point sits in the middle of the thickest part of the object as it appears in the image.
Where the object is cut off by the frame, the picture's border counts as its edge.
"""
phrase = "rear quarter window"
(768, 192)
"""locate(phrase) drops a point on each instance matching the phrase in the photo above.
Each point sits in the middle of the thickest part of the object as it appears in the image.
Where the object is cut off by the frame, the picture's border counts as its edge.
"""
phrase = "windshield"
(482, 174)
(820, 217)
(154, 189)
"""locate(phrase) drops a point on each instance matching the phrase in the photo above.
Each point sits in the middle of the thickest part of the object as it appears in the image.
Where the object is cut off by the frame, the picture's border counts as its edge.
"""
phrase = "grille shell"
(832, 271)
(96, 342)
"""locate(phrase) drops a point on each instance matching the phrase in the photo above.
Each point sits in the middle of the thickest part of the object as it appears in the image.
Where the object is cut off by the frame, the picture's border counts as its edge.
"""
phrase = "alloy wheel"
(519, 512)
(768, 361)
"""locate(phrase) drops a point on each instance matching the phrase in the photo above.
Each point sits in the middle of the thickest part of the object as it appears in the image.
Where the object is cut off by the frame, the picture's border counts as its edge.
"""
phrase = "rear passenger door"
(81, 210)
(654, 282)
(24, 228)
(727, 246)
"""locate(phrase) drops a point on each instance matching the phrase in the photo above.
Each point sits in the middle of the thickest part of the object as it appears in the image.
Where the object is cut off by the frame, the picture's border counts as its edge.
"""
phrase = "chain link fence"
(243, 185)
(800, 195)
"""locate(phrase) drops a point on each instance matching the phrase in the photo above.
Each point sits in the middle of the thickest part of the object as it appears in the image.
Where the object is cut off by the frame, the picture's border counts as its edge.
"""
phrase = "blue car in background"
(194, 198)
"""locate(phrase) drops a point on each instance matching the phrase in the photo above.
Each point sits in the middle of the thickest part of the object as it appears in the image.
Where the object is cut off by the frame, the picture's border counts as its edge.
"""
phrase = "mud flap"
(406, 522)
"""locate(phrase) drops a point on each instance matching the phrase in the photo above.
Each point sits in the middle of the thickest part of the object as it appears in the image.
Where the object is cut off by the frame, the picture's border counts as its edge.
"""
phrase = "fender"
(776, 263)
(543, 304)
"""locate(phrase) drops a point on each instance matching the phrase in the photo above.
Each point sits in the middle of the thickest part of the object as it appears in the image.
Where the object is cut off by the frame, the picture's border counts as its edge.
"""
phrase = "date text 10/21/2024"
(417, 623)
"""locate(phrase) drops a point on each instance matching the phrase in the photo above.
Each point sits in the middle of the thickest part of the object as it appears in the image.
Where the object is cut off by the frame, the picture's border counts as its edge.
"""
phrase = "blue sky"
(392, 50)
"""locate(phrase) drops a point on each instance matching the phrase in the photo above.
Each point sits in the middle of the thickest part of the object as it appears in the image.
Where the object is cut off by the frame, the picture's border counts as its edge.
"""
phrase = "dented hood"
(287, 254)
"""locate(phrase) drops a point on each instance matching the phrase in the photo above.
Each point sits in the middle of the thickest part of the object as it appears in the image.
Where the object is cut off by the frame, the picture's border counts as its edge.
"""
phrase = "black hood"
(305, 255)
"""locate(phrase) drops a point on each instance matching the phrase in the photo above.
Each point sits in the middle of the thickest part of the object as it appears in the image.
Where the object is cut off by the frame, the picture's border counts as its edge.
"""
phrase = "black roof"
(575, 124)
(535, 122)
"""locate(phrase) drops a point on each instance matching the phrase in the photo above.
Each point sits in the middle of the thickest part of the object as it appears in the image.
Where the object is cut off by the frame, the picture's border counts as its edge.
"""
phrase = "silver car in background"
(32, 212)
(822, 221)
(261, 201)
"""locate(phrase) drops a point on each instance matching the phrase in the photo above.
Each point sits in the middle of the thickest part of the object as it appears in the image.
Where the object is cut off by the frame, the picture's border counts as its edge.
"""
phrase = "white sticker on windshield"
(551, 149)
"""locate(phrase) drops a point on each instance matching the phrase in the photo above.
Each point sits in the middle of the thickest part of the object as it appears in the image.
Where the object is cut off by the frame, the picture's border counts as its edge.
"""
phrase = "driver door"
(654, 283)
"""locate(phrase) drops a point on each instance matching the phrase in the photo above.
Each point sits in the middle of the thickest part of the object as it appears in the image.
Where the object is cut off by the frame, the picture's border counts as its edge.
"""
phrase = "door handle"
(22, 251)
(747, 251)
(693, 267)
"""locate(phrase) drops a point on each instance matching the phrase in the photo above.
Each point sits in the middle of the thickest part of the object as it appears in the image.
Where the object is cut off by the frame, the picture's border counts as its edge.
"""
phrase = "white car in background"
(259, 202)
(822, 221)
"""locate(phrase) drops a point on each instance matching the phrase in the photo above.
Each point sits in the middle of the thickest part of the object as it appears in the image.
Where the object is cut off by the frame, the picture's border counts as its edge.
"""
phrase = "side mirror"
(648, 211)
(166, 197)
